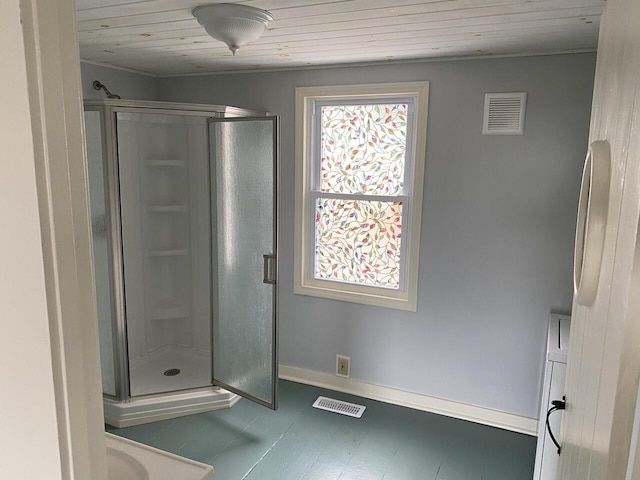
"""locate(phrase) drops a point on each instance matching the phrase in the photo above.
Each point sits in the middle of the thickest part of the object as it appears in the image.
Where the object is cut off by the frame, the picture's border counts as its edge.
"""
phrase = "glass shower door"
(244, 264)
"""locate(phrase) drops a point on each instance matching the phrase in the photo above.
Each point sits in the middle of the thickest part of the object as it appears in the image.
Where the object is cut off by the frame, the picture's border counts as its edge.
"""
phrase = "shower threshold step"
(165, 163)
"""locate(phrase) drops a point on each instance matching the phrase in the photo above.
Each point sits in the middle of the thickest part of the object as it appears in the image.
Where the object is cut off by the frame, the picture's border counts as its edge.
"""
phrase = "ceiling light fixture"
(236, 25)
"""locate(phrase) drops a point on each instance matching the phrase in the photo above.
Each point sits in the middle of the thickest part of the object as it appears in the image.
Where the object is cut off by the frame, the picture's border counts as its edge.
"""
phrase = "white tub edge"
(160, 465)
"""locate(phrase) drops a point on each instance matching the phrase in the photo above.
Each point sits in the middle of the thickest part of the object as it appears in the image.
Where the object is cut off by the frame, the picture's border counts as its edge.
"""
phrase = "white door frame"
(48, 52)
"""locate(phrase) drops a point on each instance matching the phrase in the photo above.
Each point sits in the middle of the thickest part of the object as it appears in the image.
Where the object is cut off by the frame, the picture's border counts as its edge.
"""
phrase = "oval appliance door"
(592, 219)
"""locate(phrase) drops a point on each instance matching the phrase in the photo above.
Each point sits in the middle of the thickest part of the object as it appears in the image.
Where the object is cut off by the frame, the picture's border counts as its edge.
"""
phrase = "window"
(360, 154)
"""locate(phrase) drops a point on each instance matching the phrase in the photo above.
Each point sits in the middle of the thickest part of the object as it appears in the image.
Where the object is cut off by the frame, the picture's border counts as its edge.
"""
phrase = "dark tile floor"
(300, 442)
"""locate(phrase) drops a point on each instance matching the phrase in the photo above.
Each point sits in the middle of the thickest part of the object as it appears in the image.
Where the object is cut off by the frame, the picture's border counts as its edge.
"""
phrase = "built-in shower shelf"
(170, 309)
(178, 252)
(165, 163)
(167, 208)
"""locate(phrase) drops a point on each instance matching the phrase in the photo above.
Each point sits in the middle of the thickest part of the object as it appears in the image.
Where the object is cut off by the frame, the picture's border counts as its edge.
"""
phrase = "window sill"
(376, 297)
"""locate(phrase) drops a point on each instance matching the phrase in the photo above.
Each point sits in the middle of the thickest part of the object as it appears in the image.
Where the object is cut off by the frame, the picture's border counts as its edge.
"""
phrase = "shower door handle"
(268, 271)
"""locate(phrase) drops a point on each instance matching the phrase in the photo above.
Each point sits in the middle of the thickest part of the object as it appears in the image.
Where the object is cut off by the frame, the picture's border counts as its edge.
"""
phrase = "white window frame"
(306, 102)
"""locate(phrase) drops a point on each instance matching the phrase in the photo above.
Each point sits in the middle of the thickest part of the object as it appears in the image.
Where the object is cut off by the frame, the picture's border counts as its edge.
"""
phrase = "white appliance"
(547, 457)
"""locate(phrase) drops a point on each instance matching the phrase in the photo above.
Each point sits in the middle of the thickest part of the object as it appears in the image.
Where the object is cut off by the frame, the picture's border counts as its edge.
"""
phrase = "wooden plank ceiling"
(162, 37)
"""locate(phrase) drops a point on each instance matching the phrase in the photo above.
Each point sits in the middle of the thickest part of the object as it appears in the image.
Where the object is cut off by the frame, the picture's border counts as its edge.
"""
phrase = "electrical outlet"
(343, 366)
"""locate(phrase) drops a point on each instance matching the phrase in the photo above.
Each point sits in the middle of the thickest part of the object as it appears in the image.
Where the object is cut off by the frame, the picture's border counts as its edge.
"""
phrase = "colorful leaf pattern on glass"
(363, 149)
(358, 241)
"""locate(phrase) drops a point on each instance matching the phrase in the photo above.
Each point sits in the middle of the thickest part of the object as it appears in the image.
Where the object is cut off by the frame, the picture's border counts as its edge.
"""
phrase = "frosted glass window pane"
(243, 204)
(358, 241)
(363, 148)
(100, 245)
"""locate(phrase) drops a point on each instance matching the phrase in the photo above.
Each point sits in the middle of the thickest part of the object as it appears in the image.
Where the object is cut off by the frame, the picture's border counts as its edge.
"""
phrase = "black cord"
(557, 405)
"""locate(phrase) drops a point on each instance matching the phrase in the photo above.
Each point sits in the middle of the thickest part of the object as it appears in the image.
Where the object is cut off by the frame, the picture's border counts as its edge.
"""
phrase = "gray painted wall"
(497, 229)
(130, 86)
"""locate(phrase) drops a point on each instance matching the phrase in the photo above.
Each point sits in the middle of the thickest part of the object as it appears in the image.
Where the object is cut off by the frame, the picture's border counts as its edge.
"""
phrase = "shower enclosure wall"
(183, 206)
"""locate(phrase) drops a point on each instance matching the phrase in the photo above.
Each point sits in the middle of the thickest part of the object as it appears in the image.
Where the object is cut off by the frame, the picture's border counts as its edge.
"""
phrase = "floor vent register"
(338, 406)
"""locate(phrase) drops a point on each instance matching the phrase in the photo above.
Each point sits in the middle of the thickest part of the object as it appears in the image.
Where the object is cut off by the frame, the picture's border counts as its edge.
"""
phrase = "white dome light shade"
(236, 25)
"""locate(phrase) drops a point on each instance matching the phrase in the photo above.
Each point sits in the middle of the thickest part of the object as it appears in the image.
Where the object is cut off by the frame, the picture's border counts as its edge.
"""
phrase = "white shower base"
(146, 374)
(164, 406)
(188, 392)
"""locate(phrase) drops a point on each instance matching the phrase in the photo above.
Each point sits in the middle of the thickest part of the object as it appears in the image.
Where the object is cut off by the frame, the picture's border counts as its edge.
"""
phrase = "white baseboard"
(418, 401)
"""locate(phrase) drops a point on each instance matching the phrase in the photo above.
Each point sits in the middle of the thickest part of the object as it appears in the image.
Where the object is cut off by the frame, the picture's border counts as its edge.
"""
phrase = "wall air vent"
(504, 113)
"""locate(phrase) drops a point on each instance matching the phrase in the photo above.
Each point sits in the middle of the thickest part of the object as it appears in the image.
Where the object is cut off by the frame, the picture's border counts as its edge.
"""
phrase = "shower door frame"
(108, 110)
(114, 249)
(275, 120)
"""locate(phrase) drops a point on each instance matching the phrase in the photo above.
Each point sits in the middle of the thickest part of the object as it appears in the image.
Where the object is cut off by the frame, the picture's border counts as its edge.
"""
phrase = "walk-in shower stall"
(184, 217)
